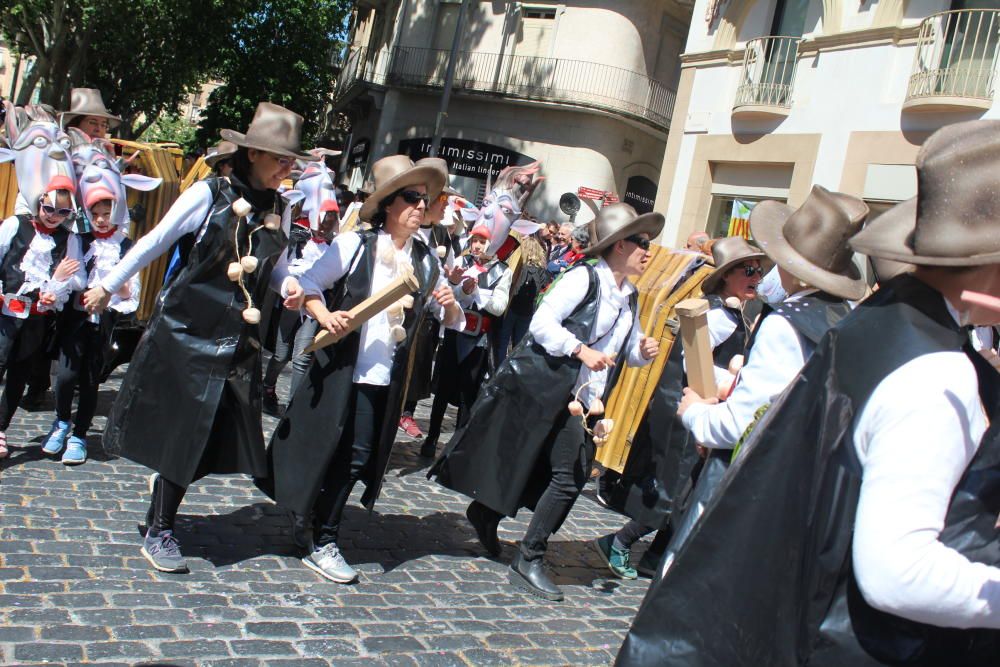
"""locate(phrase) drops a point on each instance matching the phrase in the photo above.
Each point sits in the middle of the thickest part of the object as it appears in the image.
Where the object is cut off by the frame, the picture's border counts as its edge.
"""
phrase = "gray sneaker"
(164, 552)
(328, 562)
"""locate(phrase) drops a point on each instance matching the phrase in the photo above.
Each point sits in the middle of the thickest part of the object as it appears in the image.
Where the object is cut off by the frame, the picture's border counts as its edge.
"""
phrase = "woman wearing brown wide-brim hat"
(810, 247)
(522, 447)
(88, 113)
(340, 425)
(190, 404)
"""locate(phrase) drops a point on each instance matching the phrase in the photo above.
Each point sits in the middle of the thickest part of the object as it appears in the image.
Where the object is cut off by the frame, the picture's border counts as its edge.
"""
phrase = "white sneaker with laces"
(327, 561)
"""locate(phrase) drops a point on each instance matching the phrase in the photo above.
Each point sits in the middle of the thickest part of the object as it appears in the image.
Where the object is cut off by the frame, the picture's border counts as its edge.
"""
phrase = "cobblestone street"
(74, 587)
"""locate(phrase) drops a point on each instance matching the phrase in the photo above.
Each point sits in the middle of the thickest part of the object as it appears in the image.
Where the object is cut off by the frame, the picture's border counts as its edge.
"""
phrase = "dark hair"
(242, 164)
(379, 216)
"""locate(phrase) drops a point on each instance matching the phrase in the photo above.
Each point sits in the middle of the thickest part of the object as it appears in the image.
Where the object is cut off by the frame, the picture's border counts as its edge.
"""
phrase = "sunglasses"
(413, 197)
(52, 210)
(639, 241)
(749, 271)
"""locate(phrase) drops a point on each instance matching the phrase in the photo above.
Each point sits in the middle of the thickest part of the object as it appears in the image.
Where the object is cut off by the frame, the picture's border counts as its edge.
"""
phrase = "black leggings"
(633, 531)
(21, 343)
(76, 368)
(167, 497)
(352, 458)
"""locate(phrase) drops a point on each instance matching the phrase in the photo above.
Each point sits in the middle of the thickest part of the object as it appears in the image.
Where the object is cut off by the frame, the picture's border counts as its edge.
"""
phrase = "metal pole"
(449, 78)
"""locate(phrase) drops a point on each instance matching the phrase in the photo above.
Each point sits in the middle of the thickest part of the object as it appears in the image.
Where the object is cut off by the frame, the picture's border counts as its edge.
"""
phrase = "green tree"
(281, 52)
(175, 128)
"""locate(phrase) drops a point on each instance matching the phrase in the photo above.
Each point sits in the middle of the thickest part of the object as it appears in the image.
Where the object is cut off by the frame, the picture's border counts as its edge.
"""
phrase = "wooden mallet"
(369, 308)
(692, 314)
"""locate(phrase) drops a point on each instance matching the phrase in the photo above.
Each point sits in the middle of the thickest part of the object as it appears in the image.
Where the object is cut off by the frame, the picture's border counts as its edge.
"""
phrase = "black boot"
(530, 575)
(485, 522)
(154, 483)
(429, 448)
(270, 403)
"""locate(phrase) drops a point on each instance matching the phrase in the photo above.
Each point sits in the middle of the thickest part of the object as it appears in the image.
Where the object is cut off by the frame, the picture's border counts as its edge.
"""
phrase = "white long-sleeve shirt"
(491, 300)
(187, 216)
(37, 263)
(375, 353)
(777, 356)
(915, 437)
(612, 326)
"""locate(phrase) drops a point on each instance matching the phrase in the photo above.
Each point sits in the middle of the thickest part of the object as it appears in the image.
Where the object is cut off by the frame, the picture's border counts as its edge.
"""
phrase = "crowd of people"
(836, 502)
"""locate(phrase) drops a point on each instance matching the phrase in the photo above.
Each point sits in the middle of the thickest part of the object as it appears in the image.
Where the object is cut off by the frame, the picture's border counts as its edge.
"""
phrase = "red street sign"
(593, 193)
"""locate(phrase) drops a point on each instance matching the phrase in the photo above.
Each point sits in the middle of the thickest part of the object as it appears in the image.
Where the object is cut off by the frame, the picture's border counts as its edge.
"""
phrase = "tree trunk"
(28, 87)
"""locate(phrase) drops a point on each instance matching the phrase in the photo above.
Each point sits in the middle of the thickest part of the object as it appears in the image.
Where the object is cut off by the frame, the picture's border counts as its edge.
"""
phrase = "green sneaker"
(617, 560)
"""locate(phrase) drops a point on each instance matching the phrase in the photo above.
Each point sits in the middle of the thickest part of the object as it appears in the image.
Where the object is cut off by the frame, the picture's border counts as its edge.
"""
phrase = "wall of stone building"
(576, 149)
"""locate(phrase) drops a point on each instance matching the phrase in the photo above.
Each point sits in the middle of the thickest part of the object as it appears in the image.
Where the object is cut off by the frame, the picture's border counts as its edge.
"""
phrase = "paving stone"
(274, 629)
(47, 652)
(129, 650)
(397, 644)
(261, 647)
(200, 648)
(74, 632)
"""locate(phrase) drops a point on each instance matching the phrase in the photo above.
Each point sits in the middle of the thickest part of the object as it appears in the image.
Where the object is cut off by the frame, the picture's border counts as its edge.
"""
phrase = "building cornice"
(851, 39)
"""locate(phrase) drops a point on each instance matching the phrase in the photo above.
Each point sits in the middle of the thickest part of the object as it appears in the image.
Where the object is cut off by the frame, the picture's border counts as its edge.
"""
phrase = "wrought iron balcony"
(956, 60)
(767, 77)
(555, 80)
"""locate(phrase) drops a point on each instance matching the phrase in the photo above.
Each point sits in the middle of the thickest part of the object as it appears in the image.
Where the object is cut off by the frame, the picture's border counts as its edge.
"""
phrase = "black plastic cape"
(308, 434)
(765, 576)
(495, 457)
(190, 404)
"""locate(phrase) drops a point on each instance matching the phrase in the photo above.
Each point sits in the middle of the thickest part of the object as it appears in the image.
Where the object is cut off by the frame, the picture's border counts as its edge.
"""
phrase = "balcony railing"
(956, 60)
(575, 82)
(767, 76)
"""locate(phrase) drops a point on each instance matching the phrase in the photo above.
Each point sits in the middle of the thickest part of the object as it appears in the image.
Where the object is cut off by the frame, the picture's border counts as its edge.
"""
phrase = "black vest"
(736, 343)
(10, 267)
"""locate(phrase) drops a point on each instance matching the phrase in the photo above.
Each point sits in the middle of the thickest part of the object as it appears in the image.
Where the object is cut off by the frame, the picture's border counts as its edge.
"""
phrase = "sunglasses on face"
(283, 162)
(639, 241)
(413, 197)
(749, 271)
(52, 210)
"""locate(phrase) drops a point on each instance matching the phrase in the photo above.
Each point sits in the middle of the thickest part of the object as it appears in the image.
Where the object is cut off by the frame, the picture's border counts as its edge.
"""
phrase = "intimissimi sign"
(466, 158)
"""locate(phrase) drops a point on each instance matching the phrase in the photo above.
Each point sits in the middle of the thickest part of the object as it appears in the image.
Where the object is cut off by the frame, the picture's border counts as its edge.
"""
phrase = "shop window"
(537, 29)
(729, 215)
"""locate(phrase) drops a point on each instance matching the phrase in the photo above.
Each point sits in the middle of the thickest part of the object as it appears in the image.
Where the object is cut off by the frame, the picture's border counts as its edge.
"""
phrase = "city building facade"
(586, 87)
(777, 95)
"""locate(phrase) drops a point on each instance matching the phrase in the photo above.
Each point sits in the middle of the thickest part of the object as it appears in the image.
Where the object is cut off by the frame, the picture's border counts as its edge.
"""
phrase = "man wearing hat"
(88, 113)
(220, 158)
(190, 404)
(871, 537)
(341, 423)
(663, 458)
(521, 446)
(463, 358)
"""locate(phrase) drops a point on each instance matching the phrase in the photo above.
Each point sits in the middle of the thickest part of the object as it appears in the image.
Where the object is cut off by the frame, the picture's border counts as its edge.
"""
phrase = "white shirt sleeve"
(635, 357)
(775, 359)
(7, 232)
(186, 216)
(546, 324)
(915, 438)
(331, 266)
(498, 297)
(76, 282)
(438, 312)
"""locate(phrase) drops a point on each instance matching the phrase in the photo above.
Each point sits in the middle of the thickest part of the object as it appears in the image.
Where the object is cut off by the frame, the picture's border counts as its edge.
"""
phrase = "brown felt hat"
(811, 242)
(618, 221)
(223, 151)
(88, 102)
(727, 253)
(395, 172)
(953, 220)
(274, 129)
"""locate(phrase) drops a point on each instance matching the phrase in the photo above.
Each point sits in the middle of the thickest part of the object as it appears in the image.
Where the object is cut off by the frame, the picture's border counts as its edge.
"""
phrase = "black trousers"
(352, 458)
(78, 367)
(633, 531)
(570, 453)
(21, 344)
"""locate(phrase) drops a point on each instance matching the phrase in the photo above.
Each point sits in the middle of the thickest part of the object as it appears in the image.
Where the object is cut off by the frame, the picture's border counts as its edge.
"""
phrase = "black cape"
(765, 577)
(190, 403)
(308, 434)
(495, 458)
(662, 458)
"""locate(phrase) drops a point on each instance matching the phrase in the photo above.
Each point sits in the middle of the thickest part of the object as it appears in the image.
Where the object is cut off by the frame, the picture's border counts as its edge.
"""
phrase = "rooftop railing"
(956, 60)
(557, 80)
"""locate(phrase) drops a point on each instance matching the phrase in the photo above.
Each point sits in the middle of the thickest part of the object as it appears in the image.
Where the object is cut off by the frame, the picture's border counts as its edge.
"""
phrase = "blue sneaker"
(57, 437)
(76, 451)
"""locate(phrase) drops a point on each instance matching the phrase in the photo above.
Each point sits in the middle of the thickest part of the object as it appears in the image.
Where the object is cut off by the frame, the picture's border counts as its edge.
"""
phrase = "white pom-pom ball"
(251, 316)
(242, 207)
(395, 310)
(604, 427)
(234, 271)
(575, 408)
(249, 264)
(596, 407)
(442, 251)
(272, 221)
(398, 333)
(736, 363)
(406, 301)
(732, 302)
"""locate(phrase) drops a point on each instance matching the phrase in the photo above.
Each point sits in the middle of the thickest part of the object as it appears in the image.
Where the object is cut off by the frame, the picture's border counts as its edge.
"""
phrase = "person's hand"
(702, 451)
(296, 295)
(46, 298)
(336, 322)
(96, 299)
(691, 397)
(469, 285)
(65, 269)
(594, 360)
(125, 293)
(649, 347)
(725, 387)
(444, 296)
(455, 274)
